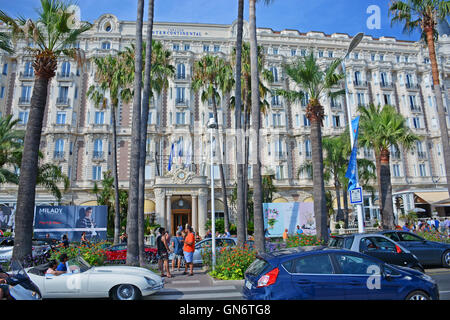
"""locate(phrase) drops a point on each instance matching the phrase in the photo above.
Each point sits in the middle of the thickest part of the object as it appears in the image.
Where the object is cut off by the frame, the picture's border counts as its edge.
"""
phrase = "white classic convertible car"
(85, 281)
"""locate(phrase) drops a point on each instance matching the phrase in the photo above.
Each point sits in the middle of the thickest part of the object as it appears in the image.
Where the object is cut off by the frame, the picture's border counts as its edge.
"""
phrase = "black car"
(429, 253)
(377, 246)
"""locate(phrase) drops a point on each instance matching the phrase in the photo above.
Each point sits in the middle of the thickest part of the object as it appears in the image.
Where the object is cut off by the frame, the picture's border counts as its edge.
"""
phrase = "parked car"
(85, 281)
(39, 248)
(118, 253)
(377, 246)
(322, 273)
(429, 253)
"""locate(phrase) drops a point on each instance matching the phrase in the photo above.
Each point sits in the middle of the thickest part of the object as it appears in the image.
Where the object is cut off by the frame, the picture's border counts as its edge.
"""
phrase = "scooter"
(20, 285)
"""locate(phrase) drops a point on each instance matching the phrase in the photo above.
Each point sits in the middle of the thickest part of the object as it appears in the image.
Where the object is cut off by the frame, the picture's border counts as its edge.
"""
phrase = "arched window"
(181, 71)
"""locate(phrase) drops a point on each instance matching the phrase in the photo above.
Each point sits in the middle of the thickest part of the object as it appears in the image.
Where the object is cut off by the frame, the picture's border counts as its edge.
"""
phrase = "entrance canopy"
(437, 198)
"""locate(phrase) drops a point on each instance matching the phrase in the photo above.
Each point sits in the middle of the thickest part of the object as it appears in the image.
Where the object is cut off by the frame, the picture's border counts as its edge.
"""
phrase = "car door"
(313, 278)
(424, 251)
(357, 275)
(383, 249)
(64, 285)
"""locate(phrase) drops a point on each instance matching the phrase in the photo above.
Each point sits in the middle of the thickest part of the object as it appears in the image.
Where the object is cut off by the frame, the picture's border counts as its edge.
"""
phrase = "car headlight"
(151, 282)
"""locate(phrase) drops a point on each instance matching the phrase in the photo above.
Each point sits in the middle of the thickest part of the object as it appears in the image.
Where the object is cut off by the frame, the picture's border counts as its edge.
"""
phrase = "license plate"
(248, 285)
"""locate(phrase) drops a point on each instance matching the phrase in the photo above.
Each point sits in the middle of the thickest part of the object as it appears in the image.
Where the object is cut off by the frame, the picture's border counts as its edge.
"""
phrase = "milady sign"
(177, 32)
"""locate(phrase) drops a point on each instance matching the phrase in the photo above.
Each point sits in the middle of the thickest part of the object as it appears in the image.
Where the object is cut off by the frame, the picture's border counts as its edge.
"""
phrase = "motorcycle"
(20, 286)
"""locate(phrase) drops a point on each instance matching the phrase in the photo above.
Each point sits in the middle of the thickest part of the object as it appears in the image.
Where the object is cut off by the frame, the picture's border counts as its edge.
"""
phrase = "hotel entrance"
(181, 212)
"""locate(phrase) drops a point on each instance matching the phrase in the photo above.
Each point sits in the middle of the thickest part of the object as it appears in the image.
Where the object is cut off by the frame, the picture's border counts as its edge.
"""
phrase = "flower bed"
(93, 254)
(231, 263)
(434, 236)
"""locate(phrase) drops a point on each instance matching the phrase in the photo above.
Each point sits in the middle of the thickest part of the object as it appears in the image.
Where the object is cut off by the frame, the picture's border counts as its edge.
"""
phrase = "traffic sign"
(356, 196)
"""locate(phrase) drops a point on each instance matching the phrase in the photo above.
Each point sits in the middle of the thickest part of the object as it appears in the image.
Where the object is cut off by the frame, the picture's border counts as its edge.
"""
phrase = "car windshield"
(257, 267)
(78, 265)
(336, 242)
(410, 237)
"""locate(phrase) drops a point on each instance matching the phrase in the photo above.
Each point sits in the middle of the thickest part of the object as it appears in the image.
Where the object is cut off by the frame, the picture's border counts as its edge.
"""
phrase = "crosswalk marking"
(197, 289)
(185, 281)
(201, 296)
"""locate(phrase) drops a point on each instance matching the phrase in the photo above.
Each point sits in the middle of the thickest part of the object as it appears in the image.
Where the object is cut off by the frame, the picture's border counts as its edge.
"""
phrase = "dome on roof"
(443, 28)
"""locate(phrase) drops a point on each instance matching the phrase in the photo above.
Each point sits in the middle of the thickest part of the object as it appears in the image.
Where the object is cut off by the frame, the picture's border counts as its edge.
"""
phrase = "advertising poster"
(281, 216)
(55, 221)
(6, 217)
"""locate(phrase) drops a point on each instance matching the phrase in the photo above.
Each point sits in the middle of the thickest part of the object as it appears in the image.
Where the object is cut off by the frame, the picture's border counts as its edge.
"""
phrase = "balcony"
(336, 106)
(26, 76)
(277, 105)
(396, 155)
(360, 84)
(421, 155)
(24, 101)
(308, 155)
(65, 76)
(182, 103)
(100, 127)
(59, 155)
(386, 85)
(415, 109)
(61, 128)
(62, 102)
(412, 86)
(281, 155)
(98, 155)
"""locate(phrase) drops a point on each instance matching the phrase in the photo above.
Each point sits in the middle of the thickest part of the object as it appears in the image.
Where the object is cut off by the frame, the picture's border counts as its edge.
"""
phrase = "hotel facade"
(77, 136)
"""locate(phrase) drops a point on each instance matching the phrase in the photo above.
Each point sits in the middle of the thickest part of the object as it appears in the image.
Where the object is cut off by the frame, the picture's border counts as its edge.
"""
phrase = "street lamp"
(355, 42)
(212, 125)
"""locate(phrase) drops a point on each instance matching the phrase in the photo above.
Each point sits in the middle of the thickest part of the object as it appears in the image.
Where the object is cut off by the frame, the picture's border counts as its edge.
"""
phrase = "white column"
(194, 213)
(160, 206)
(169, 214)
(202, 211)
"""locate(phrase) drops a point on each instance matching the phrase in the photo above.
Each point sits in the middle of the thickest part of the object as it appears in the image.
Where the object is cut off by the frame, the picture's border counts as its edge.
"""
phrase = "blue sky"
(329, 16)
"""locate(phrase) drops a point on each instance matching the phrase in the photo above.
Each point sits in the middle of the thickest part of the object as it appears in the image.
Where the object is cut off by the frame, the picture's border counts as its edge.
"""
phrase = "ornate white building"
(77, 135)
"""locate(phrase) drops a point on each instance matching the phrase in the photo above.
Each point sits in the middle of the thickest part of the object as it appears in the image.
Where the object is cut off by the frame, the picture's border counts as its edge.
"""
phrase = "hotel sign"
(177, 32)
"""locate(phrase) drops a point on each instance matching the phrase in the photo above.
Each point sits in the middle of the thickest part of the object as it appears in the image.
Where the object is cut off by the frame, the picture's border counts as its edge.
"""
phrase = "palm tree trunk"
(24, 215)
(116, 179)
(241, 195)
(386, 205)
(258, 217)
(246, 161)
(320, 209)
(132, 220)
(345, 195)
(440, 104)
(338, 198)
(221, 172)
(143, 142)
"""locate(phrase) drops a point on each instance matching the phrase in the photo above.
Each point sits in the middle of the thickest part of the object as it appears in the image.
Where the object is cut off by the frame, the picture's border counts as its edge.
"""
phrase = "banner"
(55, 221)
(352, 170)
(281, 216)
(6, 217)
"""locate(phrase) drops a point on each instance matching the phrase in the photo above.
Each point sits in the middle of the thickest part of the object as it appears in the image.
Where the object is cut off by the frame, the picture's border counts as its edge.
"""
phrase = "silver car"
(377, 246)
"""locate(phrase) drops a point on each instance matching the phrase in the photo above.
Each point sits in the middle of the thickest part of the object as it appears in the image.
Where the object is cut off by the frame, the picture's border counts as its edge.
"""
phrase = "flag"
(188, 159)
(180, 151)
(171, 157)
(352, 171)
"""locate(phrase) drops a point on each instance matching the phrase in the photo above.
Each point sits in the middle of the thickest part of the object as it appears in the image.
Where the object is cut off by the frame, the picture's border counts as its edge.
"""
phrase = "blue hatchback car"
(322, 273)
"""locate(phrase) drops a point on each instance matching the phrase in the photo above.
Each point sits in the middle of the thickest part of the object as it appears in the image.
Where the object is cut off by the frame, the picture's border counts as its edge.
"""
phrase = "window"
(29, 71)
(71, 148)
(75, 95)
(180, 95)
(274, 71)
(276, 101)
(63, 94)
(2, 92)
(96, 173)
(303, 52)
(416, 122)
(357, 77)
(387, 98)
(356, 55)
(313, 264)
(5, 69)
(320, 54)
(305, 99)
(205, 48)
(381, 57)
(279, 175)
(306, 121)
(398, 59)
(376, 244)
(293, 52)
(392, 235)
(308, 152)
(408, 80)
(26, 94)
(65, 69)
(350, 264)
(187, 47)
(181, 71)
(23, 117)
(330, 54)
(297, 120)
(150, 116)
(180, 118)
(216, 48)
(275, 51)
(276, 120)
(106, 45)
(361, 100)
(250, 172)
(372, 57)
(336, 121)
(176, 47)
(396, 170)
(99, 117)
(61, 118)
(422, 170)
(412, 102)
(383, 77)
(404, 236)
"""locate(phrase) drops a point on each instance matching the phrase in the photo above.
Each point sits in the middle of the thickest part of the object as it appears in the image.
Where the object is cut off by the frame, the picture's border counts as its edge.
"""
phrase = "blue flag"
(352, 173)
(171, 158)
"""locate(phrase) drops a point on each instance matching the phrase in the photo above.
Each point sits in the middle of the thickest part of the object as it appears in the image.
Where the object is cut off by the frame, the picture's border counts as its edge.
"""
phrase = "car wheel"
(417, 295)
(446, 259)
(126, 292)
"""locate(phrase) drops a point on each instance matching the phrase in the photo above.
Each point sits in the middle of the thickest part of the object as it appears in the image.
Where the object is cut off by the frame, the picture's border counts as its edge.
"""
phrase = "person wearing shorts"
(177, 244)
(162, 244)
(188, 250)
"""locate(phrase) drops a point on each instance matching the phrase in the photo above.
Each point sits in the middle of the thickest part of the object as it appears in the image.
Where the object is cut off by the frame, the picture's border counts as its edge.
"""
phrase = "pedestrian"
(188, 251)
(447, 225)
(227, 233)
(208, 234)
(177, 244)
(65, 241)
(406, 228)
(162, 245)
(299, 231)
(436, 224)
(83, 239)
(62, 267)
(285, 235)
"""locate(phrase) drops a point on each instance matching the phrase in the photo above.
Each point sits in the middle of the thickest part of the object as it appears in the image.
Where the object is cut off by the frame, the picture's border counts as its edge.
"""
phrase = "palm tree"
(53, 36)
(111, 79)
(424, 15)
(143, 138)
(133, 196)
(381, 128)
(5, 42)
(240, 195)
(306, 73)
(212, 75)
